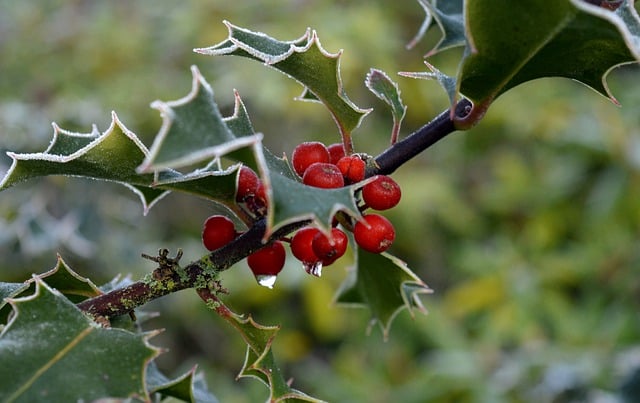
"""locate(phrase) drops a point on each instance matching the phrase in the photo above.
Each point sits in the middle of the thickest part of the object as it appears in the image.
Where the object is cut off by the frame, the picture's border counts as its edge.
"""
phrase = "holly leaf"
(51, 351)
(302, 59)
(189, 387)
(383, 87)
(259, 361)
(383, 284)
(448, 83)
(510, 43)
(193, 130)
(447, 15)
(72, 285)
(111, 156)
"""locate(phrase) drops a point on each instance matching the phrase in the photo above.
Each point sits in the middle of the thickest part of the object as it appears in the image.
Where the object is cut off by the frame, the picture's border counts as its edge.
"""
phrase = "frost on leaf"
(112, 156)
(447, 14)
(302, 59)
(259, 360)
(385, 285)
(51, 351)
(509, 43)
(384, 88)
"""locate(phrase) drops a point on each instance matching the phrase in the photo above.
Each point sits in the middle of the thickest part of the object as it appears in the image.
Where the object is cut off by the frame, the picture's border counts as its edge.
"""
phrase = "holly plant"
(313, 204)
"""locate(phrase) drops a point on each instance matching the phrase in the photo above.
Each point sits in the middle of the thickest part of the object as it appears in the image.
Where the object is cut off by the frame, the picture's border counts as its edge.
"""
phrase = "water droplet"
(315, 269)
(266, 280)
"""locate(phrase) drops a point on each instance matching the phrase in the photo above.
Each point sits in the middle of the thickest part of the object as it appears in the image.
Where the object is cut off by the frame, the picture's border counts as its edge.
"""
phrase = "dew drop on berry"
(266, 280)
(315, 269)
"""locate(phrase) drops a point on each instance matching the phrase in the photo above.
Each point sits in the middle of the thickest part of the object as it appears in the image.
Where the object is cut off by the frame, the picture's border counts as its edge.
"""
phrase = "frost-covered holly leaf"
(72, 285)
(448, 83)
(51, 351)
(304, 60)
(447, 14)
(385, 285)
(9, 290)
(112, 156)
(509, 43)
(259, 360)
(189, 387)
(193, 130)
(384, 88)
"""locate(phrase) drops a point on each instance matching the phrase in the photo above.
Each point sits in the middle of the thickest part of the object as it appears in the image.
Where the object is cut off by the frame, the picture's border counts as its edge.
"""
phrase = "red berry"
(329, 249)
(301, 245)
(267, 261)
(336, 151)
(248, 183)
(323, 175)
(374, 233)
(218, 231)
(381, 194)
(306, 154)
(352, 168)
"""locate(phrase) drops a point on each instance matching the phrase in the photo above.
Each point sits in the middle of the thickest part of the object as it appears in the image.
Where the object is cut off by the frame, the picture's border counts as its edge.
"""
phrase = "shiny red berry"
(308, 153)
(329, 248)
(248, 184)
(301, 245)
(381, 194)
(323, 175)
(336, 151)
(267, 261)
(374, 233)
(352, 168)
(218, 231)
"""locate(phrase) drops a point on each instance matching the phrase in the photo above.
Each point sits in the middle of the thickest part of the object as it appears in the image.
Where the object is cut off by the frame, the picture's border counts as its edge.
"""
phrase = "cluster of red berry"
(323, 167)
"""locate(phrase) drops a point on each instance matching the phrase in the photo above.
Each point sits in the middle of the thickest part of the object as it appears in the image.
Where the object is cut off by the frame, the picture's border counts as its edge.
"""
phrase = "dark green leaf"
(385, 285)
(304, 60)
(50, 351)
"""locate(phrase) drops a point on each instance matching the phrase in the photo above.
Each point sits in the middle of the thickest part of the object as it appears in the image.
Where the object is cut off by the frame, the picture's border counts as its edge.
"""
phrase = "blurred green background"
(527, 227)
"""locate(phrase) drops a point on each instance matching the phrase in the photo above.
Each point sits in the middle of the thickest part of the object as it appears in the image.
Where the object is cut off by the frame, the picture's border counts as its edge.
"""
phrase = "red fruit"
(381, 194)
(323, 175)
(248, 183)
(267, 261)
(352, 168)
(306, 154)
(336, 151)
(301, 245)
(374, 233)
(329, 249)
(218, 231)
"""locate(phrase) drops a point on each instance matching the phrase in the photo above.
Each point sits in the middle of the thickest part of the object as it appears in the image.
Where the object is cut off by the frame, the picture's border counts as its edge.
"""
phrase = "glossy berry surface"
(267, 261)
(248, 183)
(336, 151)
(308, 153)
(381, 194)
(218, 231)
(323, 175)
(352, 168)
(374, 233)
(329, 249)
(301, 245)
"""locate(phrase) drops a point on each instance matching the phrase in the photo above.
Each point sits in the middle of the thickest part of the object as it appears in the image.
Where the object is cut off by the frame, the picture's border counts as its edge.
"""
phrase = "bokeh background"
(527, 227)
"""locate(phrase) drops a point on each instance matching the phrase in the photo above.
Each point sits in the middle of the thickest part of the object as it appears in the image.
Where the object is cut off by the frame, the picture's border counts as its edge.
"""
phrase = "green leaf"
(259, 361)
(447, 14)
(189, 387)
(304, 60)
(295, 201)
(72, 285)
(515, 42)
(448, 83)
(193, 130)
(112, 156)
(385, 285)
(51, 351)
(384, 88)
